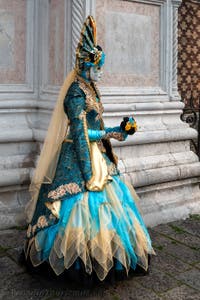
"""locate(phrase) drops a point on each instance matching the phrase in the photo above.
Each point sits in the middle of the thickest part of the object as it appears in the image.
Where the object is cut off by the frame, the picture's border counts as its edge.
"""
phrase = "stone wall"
(17, 106)
(37, 43)
(140, 39)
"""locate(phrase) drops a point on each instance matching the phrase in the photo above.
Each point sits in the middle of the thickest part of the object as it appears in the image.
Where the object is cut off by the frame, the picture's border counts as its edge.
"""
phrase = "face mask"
(95, 73)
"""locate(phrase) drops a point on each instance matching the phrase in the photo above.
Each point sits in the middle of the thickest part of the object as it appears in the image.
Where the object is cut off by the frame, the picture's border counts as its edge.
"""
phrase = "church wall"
(17, 106)
(140, 78)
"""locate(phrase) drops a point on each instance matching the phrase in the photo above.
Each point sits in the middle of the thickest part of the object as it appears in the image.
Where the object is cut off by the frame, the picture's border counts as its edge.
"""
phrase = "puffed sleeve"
(74, 107)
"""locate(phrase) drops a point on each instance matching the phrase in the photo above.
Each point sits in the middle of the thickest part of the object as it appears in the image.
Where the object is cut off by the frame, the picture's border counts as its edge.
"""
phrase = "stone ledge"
(158, 161)
(158, 136)
(166, 174)
(16, 161)
(12, 217)
(14, 176)
(16, 135)
(167, 185)
(145, 106)
(169, 201)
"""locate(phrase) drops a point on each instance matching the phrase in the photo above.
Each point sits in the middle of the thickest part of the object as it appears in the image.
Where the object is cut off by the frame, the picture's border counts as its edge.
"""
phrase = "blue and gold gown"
(73, 227)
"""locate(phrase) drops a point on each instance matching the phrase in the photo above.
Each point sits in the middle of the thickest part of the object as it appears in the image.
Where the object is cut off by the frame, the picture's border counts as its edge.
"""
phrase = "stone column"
(80, 10)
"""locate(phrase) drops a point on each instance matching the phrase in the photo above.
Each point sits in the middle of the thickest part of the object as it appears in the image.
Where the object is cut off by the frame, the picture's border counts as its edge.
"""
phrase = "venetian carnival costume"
(82, 214)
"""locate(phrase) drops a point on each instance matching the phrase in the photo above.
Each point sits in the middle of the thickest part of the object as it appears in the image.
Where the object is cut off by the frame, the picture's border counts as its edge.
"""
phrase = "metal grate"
(190, 115)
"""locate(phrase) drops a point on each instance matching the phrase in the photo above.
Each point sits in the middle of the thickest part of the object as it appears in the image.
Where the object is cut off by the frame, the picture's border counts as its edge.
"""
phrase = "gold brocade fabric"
(95, 247)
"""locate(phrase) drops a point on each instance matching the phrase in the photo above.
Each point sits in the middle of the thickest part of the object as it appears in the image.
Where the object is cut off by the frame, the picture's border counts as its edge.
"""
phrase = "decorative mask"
(88, 53)
(95, 73)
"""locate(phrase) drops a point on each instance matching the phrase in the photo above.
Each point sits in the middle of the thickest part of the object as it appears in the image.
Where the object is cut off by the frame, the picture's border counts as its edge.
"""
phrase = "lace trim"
(71, 188)
(41, 223)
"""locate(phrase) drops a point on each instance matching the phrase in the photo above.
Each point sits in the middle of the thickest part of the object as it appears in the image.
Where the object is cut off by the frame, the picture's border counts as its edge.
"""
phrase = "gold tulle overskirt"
(96, 247)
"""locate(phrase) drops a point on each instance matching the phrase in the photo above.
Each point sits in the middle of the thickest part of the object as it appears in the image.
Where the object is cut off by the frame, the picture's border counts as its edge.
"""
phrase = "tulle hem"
(100, 228)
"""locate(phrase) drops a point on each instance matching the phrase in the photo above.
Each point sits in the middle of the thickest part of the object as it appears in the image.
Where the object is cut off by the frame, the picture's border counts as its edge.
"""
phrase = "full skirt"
(97, 231)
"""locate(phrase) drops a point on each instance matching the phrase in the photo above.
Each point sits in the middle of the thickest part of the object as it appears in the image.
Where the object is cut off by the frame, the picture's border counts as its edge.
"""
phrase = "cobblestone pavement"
(174, 273)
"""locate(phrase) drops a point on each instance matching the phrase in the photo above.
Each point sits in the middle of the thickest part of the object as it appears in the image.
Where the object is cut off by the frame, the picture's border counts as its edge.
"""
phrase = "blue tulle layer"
(111, 210)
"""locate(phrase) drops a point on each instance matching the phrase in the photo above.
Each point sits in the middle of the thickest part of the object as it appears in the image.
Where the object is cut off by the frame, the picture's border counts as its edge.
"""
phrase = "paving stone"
(197, 265)
(178, 227)
(70, 293)
(189, 225)
(162, 228)
(14, 294)
(159, 240)
(187, 239)
(176, 231)
(158, 281)
(191, 278)
(12, 238)
(183, 253)
(2, 252)
(16, 255)
(175, 248)
(167, 263)
(64, 289)
(130, 290)
(83, 294)
(23, 286)
(182, 292)
(9, 267)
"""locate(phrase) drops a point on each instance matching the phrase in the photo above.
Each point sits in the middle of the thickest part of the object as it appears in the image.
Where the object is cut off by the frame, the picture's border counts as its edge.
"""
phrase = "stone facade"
(37, 42)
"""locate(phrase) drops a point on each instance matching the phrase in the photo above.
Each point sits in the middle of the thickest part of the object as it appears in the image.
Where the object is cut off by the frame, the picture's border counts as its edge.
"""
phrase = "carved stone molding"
(77, 22)
(174, 94)
(148, 1)
(28, 86)
(80, 10)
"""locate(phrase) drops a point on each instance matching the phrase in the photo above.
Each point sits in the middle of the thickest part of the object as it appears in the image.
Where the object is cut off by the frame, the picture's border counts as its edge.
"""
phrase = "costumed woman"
(82, 216)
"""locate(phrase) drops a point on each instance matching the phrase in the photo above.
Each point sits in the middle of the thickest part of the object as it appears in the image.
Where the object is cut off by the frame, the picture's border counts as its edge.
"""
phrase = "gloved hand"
(96, 135)
(116, 132)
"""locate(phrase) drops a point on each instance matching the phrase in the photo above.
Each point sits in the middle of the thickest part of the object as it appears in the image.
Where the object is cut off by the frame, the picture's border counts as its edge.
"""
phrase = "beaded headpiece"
(88, 53)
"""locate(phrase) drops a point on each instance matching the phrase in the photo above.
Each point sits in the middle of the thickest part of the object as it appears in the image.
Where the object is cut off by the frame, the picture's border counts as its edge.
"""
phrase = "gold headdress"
(88, 53)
